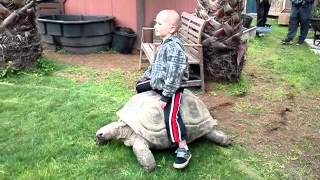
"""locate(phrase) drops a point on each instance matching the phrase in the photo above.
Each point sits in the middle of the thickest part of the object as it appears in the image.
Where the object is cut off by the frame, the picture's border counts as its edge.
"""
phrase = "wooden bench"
(190, 33)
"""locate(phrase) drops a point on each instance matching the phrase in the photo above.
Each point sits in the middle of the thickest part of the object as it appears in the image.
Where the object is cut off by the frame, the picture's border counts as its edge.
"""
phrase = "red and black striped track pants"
(176, 129)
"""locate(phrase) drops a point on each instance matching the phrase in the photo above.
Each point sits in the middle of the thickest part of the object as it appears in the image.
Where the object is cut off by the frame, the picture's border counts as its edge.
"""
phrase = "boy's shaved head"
(167, 23)
(170, 16)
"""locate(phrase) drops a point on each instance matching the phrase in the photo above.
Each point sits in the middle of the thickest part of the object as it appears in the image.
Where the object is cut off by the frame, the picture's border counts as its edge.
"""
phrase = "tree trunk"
(223, 48)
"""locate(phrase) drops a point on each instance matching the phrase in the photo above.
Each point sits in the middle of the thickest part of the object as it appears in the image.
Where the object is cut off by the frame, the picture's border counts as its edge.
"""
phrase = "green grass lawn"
(296, 68)
(48, 124)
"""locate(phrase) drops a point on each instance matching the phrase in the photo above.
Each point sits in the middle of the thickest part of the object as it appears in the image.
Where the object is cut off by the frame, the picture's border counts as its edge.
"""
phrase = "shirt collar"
(170, 38)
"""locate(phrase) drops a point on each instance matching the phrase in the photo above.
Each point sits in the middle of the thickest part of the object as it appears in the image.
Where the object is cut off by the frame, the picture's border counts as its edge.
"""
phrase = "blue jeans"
(299, 14)
(262, 12)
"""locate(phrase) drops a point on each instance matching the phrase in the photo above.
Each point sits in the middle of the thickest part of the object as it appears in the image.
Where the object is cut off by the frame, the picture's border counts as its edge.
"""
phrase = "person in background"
(263, 7)
(300, 14)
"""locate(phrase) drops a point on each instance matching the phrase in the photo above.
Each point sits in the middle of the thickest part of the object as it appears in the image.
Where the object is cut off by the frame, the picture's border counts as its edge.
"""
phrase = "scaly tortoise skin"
(141, 125)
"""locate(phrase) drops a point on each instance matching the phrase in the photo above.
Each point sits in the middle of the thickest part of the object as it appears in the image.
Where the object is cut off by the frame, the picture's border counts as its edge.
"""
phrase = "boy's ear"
(173, 29)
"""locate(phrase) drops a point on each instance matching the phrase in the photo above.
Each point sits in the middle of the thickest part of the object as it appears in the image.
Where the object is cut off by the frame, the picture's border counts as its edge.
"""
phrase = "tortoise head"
(108, 132)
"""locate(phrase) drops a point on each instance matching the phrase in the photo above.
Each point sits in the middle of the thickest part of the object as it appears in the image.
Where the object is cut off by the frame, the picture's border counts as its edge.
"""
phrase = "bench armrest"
(192, 45)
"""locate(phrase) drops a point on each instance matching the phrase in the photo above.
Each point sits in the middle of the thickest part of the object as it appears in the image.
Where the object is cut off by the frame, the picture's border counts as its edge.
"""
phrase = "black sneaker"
(268, 25)
(286, 42)
(260, 34)
(300, 43)
(182, 159)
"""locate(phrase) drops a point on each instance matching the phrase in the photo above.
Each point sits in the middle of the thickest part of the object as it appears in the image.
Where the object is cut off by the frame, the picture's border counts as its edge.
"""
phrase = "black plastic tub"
(246, 20)
(123, 40)
(76, 33)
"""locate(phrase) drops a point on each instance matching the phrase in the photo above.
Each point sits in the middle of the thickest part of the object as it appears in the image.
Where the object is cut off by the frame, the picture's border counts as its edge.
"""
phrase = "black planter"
(123, 40)
(246, 20)
(76, 33)
(315, 23)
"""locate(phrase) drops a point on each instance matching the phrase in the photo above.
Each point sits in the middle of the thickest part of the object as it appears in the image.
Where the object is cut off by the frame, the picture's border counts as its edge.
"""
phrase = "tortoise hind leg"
(218, 137)
(144, 155)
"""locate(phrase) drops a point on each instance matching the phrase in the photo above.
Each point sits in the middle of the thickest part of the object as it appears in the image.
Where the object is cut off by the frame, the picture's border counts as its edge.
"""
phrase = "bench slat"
(191, 83)
(195, 31)
(195, 27)
(191, 30)
(192, 59)
(192, 51)
(191, 17)
(148, 48)
(185, 35)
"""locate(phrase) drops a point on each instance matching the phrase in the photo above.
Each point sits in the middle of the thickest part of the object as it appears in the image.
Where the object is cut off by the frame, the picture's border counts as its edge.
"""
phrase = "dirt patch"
(273, 122)
(101, 61)
(286, 129)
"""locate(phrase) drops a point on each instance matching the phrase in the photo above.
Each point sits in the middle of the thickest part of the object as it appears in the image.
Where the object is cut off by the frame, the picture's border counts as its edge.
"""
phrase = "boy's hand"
(163, 104)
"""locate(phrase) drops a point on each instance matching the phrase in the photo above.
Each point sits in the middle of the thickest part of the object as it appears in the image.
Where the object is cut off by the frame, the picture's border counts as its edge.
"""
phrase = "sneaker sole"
(181, 166)
(286, 43)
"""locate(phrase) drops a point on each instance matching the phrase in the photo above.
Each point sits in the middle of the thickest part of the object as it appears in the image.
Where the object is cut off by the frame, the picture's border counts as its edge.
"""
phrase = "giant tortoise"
(141, 125)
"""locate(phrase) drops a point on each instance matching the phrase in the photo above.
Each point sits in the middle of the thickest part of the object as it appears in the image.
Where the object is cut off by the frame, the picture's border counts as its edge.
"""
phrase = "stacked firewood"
(223, 48)
(19, 39)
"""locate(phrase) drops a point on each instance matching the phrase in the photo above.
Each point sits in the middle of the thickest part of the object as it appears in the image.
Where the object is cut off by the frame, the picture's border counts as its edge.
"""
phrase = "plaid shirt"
(169, 69)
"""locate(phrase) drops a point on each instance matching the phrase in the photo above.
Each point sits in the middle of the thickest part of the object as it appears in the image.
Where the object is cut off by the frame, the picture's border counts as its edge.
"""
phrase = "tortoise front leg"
(144, 155)
(218, 137)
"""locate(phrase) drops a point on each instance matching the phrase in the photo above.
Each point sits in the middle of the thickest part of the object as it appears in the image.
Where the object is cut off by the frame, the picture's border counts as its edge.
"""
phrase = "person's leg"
(293, 22)
(305, 14)
(176, 129)
(266, 12)
(260, 13)
(260, 21)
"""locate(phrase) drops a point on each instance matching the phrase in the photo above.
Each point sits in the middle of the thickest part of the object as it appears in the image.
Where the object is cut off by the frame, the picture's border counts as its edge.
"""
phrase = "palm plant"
(224, 50)
(19, 38)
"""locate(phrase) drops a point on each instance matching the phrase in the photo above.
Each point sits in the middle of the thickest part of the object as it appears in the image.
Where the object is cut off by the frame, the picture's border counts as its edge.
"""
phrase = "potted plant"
(315, 23)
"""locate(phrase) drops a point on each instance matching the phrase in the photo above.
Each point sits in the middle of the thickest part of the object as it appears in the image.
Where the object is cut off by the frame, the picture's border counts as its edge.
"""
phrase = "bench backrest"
(190, 31)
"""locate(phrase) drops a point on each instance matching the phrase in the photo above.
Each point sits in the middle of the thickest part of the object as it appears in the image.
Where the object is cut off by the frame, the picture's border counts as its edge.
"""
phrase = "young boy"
(164, 76)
